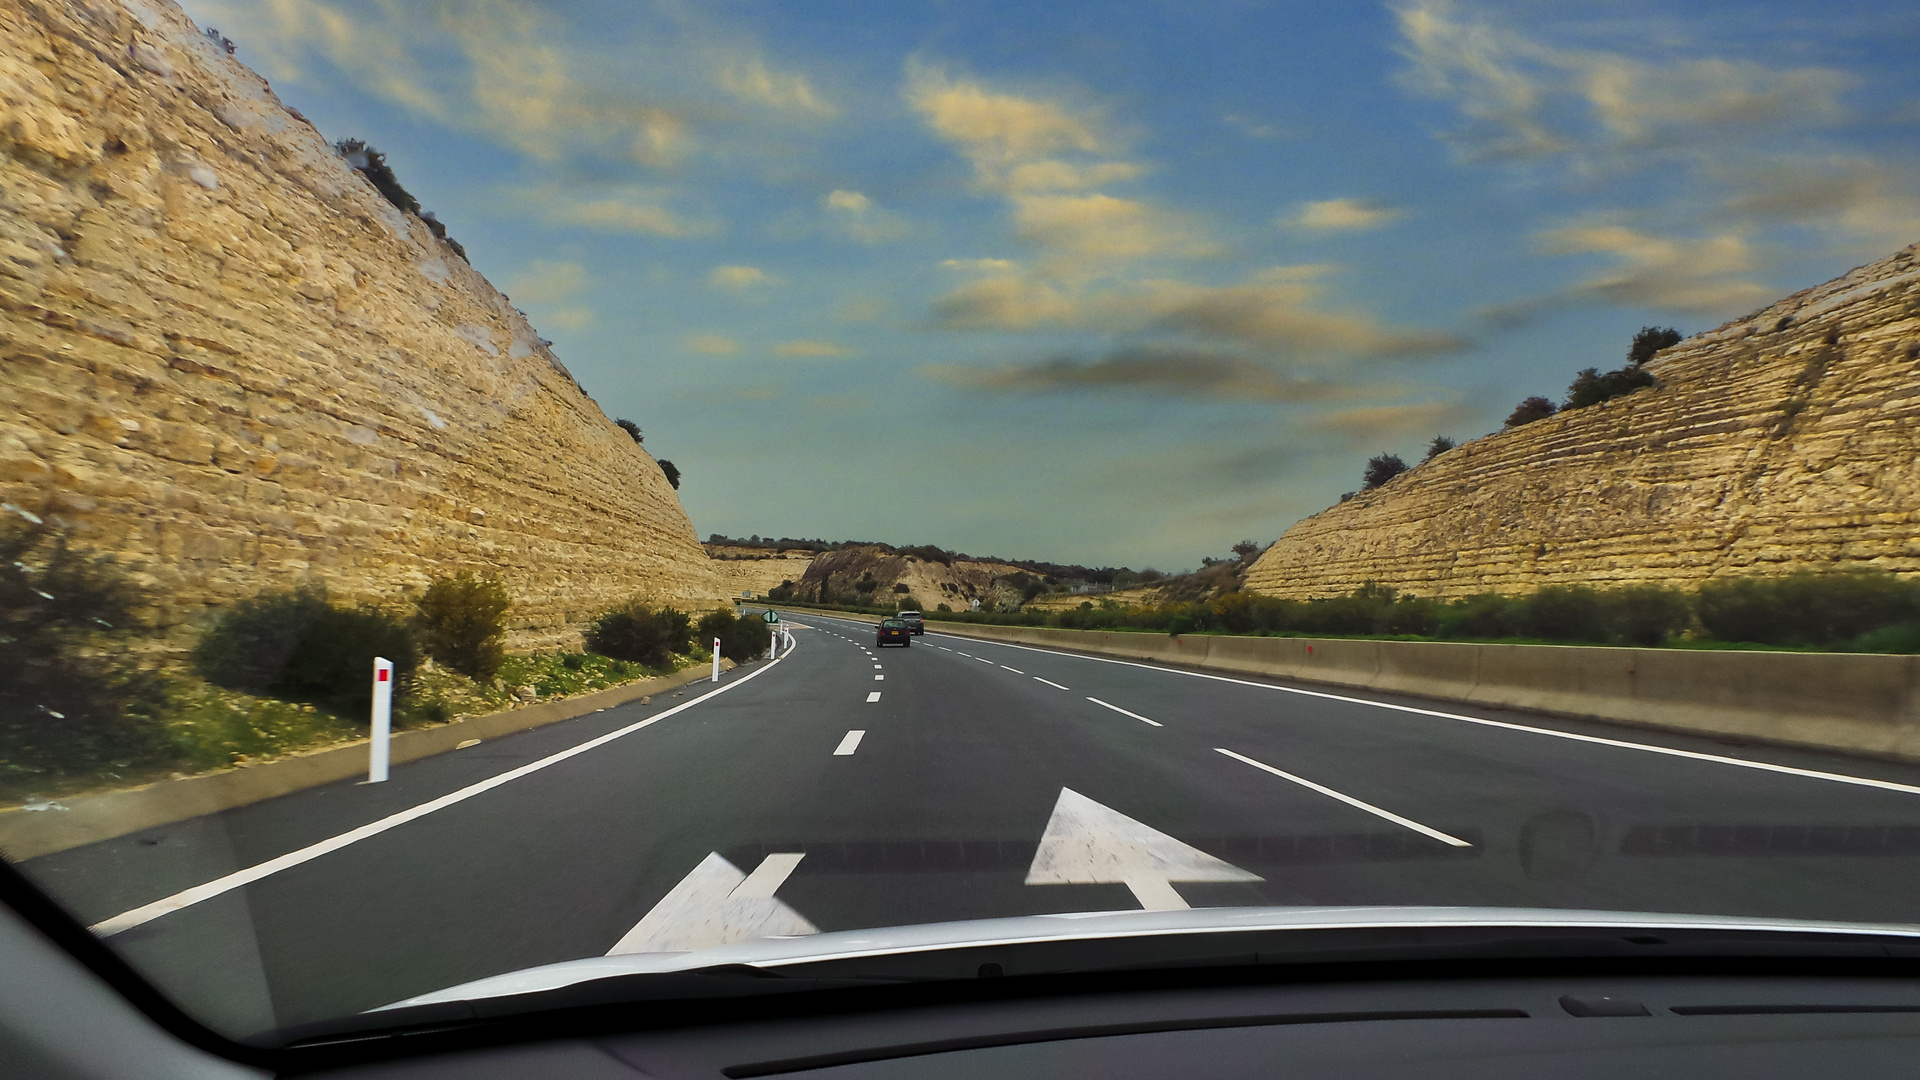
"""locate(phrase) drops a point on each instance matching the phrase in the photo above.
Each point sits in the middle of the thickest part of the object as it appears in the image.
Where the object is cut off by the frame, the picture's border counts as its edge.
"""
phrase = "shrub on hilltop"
(1529, 410)
(1382, 468)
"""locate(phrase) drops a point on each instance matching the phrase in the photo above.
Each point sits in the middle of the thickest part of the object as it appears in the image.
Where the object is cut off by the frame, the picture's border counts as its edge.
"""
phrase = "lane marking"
(1015, 670)
(943, 648)
(767, 878)
(873, 697)
(984, 660)
(1086, 843)
(968, 655)
(1348, 799)
(717, 905)
(848, 744)
(1049, 682)
(879, 678)
(876, 667)
(146, 913)
(1597, 740)
(1124, 712)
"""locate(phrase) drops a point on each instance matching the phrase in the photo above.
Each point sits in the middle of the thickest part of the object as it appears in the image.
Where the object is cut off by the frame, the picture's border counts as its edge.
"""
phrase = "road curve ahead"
(849, 786)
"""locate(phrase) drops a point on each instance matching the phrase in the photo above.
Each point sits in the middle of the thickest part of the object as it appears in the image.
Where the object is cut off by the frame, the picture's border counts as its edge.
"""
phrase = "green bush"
(1646, 614)
(1806, 608)
(1529, 410)
(299, 645)
(1563, 613)
(742, 637)
(638, 632)
(462, 623)
(72, 702)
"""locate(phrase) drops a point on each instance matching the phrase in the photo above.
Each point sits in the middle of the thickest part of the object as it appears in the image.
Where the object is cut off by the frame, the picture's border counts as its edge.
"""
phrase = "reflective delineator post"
(382, 719)
(716, 659)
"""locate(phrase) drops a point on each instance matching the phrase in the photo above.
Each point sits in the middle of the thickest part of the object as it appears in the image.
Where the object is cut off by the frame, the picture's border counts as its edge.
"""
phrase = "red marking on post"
(382, 676)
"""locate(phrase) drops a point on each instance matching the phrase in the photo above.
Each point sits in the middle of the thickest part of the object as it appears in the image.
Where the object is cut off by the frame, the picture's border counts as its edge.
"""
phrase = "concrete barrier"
(85, 819)
(1857, 703)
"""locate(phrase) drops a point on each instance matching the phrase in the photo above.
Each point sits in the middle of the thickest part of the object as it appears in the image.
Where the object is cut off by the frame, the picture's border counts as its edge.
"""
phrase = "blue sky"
(1107, 283)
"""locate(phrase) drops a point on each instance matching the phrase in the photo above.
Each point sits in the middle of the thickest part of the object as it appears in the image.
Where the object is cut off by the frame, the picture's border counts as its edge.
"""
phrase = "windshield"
(1412, 454)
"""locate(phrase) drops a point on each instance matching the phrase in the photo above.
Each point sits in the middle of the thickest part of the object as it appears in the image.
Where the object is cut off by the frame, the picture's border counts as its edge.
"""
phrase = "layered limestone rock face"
(233, 365)
(1786, 440)
(756, 570)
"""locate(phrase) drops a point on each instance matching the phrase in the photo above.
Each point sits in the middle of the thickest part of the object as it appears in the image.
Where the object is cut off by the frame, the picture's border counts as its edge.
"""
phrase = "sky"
(1117, 283)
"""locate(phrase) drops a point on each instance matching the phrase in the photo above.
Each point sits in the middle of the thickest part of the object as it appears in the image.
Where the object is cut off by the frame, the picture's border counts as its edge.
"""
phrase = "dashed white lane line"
(879, 678)
(1049, 682)
(983, 660)
(1506, 725)
(968, 655)
(873, 697)
(1124, 712)
(1348, 799)
(943, 648)
(849, 743)
(876, 667)
(207, 890)
(1015, 670)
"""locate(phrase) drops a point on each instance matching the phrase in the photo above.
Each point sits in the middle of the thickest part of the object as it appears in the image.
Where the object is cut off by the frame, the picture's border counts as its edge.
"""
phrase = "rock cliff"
(1785, 440)
(230, 362)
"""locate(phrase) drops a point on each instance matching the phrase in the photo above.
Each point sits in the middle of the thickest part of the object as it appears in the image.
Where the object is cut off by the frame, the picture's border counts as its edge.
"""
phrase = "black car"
(893, 632)
(913, 620)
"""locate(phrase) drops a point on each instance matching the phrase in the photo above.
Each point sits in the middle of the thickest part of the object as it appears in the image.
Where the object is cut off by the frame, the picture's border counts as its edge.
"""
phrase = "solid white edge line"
(146, 913)
(849, 742)
(1348, 799)
(1049, 682)
(1695, 755)
(1124, 712)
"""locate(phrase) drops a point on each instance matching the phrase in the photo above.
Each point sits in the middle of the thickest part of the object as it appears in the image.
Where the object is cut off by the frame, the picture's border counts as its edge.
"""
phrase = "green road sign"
(771, 615)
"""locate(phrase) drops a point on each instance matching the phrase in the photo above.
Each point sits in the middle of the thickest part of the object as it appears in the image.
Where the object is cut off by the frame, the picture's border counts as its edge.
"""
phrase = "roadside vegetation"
(1840, 611)
(88, 700)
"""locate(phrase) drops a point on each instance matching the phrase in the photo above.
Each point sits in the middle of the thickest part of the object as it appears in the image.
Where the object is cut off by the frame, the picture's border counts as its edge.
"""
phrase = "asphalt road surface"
(849, 786)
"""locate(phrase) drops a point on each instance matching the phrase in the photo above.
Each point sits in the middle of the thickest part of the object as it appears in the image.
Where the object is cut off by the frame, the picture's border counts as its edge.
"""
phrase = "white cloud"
(814, 349)
(1342, 215)
(737, 278)
(747, 77)
(1526, 98)
(712, 344)
(1696, 276)
(980, 266)
(857, 217)
(615, 210)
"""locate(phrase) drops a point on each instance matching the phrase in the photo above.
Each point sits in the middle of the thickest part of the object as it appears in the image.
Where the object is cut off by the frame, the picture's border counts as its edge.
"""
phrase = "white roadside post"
(716, 659)
(382, 719)
(773, 639)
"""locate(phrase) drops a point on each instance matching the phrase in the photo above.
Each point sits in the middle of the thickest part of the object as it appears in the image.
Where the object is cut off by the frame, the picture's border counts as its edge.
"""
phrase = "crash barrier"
(84, 819)
(1860, 703)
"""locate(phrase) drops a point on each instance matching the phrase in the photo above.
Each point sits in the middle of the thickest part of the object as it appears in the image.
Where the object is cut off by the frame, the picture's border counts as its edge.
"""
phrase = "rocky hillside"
(1789, 439)
(862, 571)
(233, 364)
(756, 570)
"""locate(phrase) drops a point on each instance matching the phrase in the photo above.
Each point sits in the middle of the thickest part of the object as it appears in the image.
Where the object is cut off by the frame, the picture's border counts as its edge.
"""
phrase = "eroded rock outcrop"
(229, 361)
(1789, 439)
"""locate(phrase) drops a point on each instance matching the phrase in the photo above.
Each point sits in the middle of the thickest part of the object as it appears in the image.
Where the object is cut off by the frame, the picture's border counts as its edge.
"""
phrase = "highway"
(847, 786)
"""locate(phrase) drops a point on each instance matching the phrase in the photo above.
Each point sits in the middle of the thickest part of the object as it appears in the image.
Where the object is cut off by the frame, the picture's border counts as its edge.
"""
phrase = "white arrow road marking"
(1124, 712)
(1086, 843)
(718, 905)
(1348, 799)
(849, 743)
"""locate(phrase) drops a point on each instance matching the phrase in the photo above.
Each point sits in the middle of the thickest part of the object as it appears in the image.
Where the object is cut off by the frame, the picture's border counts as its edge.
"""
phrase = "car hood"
(777, 952)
